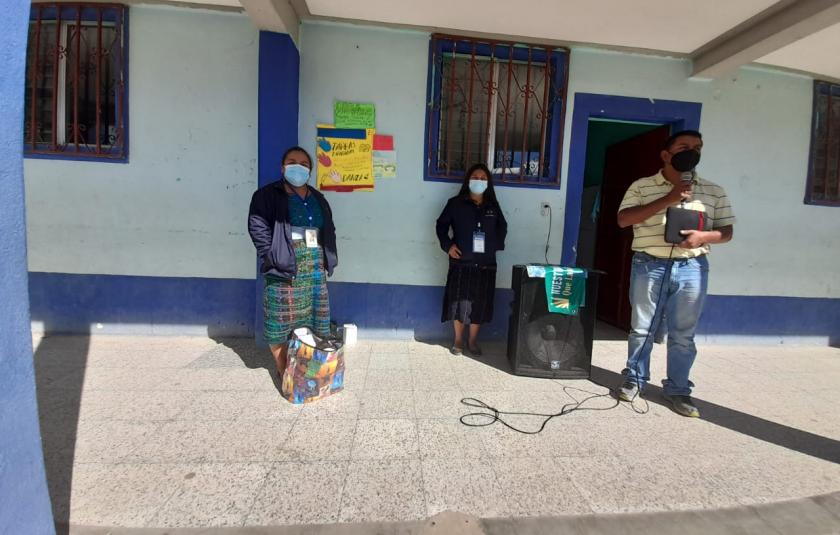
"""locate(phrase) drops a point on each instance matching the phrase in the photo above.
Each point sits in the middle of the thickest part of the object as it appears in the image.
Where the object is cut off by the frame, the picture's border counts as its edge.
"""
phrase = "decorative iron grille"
(824, 169)
(497, 103)
(76, 81)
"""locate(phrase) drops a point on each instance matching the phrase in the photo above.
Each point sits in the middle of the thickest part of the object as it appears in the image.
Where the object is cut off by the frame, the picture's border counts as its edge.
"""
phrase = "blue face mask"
(478, 186)
(295, 174)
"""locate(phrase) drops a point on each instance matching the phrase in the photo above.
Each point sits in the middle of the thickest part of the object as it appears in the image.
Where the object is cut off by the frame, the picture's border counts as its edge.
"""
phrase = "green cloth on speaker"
(565, 289)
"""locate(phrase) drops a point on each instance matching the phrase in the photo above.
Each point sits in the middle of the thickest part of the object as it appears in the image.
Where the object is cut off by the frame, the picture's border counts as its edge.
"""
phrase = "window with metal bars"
(76, 82)
(497, 103)
(824, 164)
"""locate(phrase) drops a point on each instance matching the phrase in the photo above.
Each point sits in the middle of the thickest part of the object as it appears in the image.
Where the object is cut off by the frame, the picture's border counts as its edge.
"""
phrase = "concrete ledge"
(817, 515)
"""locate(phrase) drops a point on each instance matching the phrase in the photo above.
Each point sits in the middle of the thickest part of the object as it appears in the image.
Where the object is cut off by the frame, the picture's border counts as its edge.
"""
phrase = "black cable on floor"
(494, 415)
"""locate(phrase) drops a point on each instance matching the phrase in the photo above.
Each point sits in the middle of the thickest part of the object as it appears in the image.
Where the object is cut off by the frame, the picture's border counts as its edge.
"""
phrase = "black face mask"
(686, 160)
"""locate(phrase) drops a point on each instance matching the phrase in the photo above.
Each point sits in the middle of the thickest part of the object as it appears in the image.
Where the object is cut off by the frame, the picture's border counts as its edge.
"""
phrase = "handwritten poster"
(345, 158)
(354, 115)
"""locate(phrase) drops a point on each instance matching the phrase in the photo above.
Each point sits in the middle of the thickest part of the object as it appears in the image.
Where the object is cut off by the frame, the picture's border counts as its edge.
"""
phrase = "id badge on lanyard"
(478, 240)
(312, 238)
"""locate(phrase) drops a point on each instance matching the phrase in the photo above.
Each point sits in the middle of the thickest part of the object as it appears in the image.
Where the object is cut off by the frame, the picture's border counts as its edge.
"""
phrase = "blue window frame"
(497, 103)
(823, 185)
(76, 94)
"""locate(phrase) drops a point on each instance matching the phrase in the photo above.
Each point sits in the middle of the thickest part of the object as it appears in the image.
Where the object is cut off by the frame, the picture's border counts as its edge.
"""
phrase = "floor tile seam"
(153, 516)
(424, 489)
(349, 464)
(268, 472)
(256, 495)
(579, 488)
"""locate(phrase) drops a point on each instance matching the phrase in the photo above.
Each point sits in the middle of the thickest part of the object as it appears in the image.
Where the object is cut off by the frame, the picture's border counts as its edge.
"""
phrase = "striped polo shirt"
(649, 235)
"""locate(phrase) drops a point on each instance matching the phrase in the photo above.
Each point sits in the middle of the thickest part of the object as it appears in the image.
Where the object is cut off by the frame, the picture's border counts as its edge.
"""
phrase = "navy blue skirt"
(469, 294)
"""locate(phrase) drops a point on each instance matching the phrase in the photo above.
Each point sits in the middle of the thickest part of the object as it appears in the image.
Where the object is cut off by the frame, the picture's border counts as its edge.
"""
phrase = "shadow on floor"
(781, 435)
(494, 351)
(252, 355)
(60, 364)
(756, 427)
(606, 332)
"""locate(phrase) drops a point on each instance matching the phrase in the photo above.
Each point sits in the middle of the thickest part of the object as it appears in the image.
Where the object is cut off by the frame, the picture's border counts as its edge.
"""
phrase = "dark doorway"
(617, 153)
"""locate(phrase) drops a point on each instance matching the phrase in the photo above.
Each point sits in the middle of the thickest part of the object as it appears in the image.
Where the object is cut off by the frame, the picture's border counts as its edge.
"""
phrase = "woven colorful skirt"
(300, 302)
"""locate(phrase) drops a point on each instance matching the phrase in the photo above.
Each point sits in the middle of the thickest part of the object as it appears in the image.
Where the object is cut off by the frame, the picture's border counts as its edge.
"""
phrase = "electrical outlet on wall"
(544, 208)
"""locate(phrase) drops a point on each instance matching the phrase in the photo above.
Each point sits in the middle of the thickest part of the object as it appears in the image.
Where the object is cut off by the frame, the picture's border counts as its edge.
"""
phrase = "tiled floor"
(192, 432)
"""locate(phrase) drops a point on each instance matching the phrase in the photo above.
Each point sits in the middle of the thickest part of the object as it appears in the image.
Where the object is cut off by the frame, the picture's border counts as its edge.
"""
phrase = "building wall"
(178, 208)
(387, 237)
(174, 216)
(757, 128)
(757, 137)
(158, 244)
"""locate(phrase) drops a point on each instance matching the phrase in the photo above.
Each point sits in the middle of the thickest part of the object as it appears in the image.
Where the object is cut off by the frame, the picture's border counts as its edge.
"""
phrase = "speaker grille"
(543, 344)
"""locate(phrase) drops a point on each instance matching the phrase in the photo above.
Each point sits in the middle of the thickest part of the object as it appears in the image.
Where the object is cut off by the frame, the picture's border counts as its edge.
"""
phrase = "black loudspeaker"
(544, 344)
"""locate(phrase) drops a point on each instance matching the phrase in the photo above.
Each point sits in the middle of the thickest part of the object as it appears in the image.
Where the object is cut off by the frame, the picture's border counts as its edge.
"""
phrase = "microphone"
(687, 178)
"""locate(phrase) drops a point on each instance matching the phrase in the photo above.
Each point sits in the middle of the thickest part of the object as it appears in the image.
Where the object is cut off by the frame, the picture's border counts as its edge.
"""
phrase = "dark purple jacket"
(271, 232)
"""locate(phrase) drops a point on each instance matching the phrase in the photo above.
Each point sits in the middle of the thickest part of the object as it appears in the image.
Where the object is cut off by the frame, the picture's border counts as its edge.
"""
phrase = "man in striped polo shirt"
(667, 279)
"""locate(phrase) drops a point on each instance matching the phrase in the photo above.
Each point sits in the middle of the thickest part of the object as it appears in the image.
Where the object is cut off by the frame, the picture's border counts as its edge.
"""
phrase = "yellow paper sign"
(345, 158)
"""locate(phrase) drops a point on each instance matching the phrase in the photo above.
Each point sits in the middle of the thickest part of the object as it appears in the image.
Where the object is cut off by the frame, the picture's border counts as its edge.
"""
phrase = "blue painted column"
(279, 85)
(24, 500)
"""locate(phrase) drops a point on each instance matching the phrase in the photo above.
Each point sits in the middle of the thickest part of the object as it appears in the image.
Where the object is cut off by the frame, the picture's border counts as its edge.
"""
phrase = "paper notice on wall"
(354, 115)
(385, 164)
(384, 157)
(345, 158)
(383, 142)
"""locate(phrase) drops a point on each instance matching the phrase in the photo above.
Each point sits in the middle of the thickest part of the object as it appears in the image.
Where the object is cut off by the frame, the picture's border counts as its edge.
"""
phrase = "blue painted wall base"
(225, 307)
(402, 311)
(771, 319)
(69, 303)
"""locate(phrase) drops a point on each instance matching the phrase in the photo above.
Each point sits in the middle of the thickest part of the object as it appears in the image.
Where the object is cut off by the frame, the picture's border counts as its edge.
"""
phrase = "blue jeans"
(680, 301)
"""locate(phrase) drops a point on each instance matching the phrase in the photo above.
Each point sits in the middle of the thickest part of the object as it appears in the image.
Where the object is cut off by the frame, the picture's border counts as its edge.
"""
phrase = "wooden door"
(626, 162)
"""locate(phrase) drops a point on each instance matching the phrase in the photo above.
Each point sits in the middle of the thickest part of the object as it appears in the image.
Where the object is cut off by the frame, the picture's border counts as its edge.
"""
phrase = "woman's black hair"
(296, 149)
(490, 193)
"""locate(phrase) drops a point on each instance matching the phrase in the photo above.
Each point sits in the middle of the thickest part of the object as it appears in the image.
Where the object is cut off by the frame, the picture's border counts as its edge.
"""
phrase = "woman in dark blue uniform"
(470, 230)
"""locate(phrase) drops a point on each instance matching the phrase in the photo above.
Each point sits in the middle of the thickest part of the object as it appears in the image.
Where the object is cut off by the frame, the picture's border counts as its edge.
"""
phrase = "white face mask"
(295, 174)
(478, 186)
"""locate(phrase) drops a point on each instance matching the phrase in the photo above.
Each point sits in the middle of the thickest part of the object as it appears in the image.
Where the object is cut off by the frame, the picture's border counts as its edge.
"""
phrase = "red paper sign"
(381, 142)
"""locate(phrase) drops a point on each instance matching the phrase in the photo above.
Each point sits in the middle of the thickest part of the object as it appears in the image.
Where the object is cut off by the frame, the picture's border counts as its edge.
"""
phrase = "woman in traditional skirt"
(292, 228)
(478, 230)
